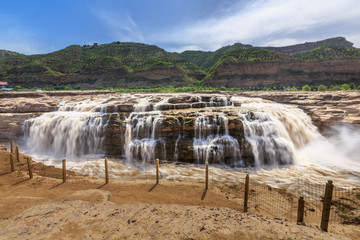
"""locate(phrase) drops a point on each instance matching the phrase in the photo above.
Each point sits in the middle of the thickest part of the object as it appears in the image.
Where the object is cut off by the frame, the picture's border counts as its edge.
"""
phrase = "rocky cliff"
(294, 73)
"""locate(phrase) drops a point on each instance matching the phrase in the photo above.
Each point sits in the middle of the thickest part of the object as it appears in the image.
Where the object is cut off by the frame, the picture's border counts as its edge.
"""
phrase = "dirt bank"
(84, 207)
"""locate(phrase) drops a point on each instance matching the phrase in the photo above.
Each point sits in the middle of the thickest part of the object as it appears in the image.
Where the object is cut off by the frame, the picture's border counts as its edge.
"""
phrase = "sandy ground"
(86, 208)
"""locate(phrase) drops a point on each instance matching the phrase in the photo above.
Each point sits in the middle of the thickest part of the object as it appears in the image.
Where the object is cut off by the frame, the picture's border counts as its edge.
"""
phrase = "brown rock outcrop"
(295, 73)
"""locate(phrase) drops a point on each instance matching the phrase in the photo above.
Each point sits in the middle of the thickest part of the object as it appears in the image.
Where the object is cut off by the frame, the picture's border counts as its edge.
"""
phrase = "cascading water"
(140, 137)
(212, 141)
(66, 134)
(232, 131)
(274, 131)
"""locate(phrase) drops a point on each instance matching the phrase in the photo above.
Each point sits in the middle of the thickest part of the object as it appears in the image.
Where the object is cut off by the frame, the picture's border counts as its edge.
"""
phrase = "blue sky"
(42, 26)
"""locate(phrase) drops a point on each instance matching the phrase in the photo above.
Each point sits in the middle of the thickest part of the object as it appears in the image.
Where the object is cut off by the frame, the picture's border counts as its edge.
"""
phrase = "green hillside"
(116, 58)
(329, 52)
(127, 64)
(196, 57)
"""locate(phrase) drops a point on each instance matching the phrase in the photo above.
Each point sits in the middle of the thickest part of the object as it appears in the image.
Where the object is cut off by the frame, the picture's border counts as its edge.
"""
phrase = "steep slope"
(196, 57)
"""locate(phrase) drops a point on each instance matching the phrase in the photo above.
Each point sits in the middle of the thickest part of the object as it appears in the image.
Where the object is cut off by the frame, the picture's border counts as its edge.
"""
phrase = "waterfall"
(219, 101)
(227, 130)
(274, 131)
(212, 141)
(141, 141)
(66, 134)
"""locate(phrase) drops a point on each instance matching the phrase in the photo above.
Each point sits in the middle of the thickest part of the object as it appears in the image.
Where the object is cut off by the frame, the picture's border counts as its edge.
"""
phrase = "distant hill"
(115, 64)
(196, 57)
(206, 60)
(126, 64)
(308, 46)
(6, 53)
(327, 52)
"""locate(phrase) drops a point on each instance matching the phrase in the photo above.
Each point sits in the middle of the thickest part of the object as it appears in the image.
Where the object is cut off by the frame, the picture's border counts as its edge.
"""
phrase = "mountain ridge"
(127, 64)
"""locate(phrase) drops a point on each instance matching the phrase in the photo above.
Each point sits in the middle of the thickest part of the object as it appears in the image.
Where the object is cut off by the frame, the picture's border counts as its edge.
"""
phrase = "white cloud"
(354, 38)
(272, 21)
(121, 26)
(283, 42)
(24, 47)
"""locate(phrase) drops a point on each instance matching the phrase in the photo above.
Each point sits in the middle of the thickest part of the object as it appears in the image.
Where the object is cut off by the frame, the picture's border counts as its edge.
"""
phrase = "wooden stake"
(29, 167)
(300, 215)
(17, 154)
(246, 194)
(157, 171)
(64, 170)
(12, 146)
(207, 175)
(12, 163)
(106, 171)
(327, 206)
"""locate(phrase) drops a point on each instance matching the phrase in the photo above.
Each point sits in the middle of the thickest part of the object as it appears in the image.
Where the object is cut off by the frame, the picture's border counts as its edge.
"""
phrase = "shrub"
(335, 88)
(306, 88)
(345, 87)
(322, 88)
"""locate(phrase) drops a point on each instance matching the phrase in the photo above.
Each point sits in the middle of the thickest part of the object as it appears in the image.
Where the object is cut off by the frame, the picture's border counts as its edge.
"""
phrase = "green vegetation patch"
(329, 52)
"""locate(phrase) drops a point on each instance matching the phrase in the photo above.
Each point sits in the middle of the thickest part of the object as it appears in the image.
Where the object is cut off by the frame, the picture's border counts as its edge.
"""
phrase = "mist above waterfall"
(341, 150)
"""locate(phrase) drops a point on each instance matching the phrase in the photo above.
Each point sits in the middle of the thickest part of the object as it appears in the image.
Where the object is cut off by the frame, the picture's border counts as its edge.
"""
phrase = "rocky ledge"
(325, 108)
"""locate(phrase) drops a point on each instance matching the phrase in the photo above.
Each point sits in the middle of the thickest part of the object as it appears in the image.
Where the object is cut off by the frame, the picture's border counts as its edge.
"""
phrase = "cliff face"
(115, 78)
(294, 73)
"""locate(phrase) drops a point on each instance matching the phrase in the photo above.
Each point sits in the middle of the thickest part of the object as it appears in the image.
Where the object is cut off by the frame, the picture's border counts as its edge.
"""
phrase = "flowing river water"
(276, 143)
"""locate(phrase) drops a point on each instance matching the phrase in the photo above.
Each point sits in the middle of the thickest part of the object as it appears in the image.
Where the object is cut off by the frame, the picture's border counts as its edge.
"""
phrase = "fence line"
(272, 202)
(345, 205)
(262, 199)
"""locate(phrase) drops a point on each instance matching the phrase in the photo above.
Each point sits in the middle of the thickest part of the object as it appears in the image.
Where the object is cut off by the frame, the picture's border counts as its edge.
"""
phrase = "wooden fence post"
(64, 170)
(29, 167)
(12, 146)
(300, 214)
(246, 195)
(17, 154)
(157, 171)
(12, 163)
(327, 206)
(106, 171)
(207, 175)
